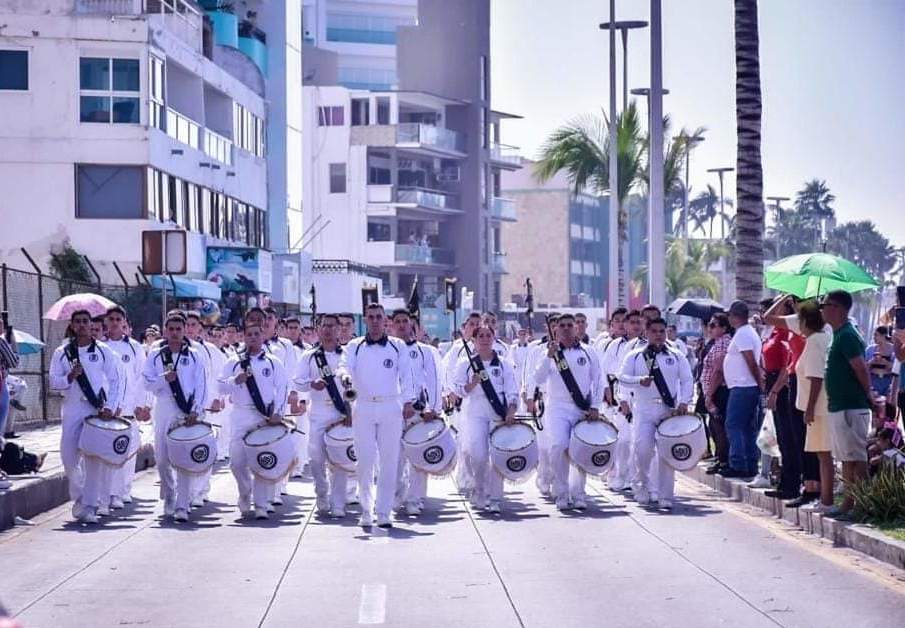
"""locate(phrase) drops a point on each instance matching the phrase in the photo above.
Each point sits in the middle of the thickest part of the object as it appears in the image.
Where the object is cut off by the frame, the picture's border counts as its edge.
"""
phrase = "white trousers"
(251, 488)
(224, 433)
(175, 484)
(622, 471)
(328, 480)
(378, 439)
(544, 478)
(651, 474)
(568, 480)
(488, 482)
(89, 478)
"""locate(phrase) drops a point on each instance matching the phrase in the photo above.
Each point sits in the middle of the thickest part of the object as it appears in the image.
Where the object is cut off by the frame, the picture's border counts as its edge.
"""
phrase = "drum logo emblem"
(433, 455)
(600, 458)
(92, 357)
(200, 453)
(681, 452)
(267, 460)
(265, 372)
(350, 453)
(388, 363)
(516, 463)
(121, 444)
(582, 360)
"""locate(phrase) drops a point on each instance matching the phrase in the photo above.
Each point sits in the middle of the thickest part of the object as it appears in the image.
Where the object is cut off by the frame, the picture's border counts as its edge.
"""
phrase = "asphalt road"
(709, 563)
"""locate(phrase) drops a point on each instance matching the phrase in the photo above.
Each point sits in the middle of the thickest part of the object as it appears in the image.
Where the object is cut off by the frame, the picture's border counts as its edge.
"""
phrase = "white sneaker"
(562, 504)
(261, 514)
(88, 516)
(4, 484)
(383, 521)
(127, 499)
(181, 515)
(760, 482)
(366, 520)
(338, 513)
(642, 497)
(277, 501)
(198, 502)
(617, 486)
(77, 510)
(664, 504)
(270, 509)
(579, 503)
(816, 507)
(116, 503)
(413, 509)
(103, 511)
(494, 507)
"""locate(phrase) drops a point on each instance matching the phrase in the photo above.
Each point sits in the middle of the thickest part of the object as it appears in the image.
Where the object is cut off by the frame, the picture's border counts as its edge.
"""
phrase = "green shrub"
(880, 499)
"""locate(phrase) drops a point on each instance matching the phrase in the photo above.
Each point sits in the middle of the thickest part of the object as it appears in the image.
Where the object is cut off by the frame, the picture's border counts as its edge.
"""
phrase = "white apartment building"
(127, 115)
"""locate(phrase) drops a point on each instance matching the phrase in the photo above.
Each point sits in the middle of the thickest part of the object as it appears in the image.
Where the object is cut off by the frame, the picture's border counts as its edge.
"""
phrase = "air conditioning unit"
(449, 174)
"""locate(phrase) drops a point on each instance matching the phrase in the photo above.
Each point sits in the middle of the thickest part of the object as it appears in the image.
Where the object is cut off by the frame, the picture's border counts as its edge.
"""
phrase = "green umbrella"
(813, 274)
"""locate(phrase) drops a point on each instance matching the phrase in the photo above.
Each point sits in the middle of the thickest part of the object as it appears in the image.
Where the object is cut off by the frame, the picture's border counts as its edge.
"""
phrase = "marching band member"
(301, 406)
(613, 352)
(89, 375)
(490, 392)
(425, 361)
(316, 376)
(378, 368)
(454, 354)
(518, 352)
(174, 374)
(132, 359)
(490, 319)
(532, 387)
(346, 328)
(663, 388)
(572, 373)
(257, 382)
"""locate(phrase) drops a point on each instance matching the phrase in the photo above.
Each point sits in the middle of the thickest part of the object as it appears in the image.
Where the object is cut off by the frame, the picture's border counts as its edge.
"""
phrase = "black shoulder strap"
(659, 381)
(253, 390)
(477, 365)
(185, 405)
(72, 354)
(568, 378)
(320, 358)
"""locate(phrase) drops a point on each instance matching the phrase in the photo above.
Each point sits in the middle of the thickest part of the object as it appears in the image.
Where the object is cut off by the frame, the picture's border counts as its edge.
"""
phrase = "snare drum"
(681, 441)
(339, 442)
(513, 450)
(192, 448)
(114, 441)
(430, 446)
(591, 446)
(271, 451)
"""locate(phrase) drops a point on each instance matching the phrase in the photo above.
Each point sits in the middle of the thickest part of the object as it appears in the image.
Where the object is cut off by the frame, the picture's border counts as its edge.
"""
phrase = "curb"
(860, 537)
(33, 494)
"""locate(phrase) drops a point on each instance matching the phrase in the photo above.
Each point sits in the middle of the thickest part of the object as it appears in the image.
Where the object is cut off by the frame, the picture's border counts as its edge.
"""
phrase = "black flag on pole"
(414, 304)
(313, 294)
(368, 296)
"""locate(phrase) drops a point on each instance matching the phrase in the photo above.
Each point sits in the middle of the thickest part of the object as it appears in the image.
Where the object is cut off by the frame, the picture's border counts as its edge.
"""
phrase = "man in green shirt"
(849, 395)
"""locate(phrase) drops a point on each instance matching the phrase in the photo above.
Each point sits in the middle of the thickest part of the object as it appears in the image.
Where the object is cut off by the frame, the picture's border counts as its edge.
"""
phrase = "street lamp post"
(614, 296)
(690, 141)
(656, 238)
(777, 206)
(624, 26)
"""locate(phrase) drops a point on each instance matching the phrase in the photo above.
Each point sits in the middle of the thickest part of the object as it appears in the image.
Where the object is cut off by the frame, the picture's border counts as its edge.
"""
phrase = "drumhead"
(423, 431)
(512, 437)
(265, 435)
(679, 425)
(595, 432)
(115, 424)
(189, 432)
(340, 432)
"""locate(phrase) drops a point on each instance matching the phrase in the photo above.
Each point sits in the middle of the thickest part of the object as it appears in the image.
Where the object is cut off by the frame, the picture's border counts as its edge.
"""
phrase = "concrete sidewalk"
(33, 494)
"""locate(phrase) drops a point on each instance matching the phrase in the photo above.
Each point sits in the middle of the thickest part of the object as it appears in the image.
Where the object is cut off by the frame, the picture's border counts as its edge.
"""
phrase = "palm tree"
(581, 149)
(749, 167)
(704, 209)
(688, 268)
(815, 199)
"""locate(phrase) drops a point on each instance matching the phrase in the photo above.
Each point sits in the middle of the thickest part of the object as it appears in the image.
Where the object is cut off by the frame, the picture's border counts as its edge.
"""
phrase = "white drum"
(192, 448)
(430, 446)
(681, 441)
(513, 450)
(591, 446)
(340, 445)
(271, 451)
(114, 441)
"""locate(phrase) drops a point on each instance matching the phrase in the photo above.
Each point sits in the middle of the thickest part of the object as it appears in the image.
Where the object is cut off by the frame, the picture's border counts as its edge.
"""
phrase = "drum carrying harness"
(166, 356)
(650, 357)
(72, 354)
(320, 359)
(253, 391)
(568, 378)
(477, 365)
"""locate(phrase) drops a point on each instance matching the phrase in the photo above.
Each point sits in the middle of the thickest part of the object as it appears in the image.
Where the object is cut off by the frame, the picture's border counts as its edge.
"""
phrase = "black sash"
(253, 390)
(650, 356)
(185, 405)
(477, 365)
(320, 358)
(568, 378)
(72, 353)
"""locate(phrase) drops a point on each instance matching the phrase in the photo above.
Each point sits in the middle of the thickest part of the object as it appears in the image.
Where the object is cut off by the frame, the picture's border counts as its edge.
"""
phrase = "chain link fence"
(26, 296)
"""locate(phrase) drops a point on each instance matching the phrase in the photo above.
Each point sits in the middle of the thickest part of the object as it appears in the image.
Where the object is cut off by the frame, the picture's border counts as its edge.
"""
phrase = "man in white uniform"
(531, 387)
(89, 375)
(378, 367)
(613, 353)
(663, 387)
(283, 349)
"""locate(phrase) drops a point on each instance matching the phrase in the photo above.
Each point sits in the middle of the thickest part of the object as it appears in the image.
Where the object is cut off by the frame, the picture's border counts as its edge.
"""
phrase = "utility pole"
(656, 237)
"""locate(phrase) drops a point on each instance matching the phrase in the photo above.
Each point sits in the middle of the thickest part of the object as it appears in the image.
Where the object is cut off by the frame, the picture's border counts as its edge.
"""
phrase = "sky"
(832, 76)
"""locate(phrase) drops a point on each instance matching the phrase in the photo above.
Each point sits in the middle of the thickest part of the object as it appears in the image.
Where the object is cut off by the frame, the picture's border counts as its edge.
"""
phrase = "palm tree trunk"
(749, 180)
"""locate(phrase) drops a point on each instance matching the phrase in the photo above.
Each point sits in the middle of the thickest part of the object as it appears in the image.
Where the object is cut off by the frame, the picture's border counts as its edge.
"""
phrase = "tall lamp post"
(656, 238)
(724, 281)
(777, 216)
(690, 144)
(624, 26)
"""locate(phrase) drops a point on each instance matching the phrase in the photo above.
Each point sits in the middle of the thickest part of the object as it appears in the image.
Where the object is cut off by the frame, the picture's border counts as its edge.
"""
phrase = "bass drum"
(114, 441)
(192, 448)
(430, 446)
(591, 446)
(681, 441)
(271, 451)
(513, 451)
(340, 444)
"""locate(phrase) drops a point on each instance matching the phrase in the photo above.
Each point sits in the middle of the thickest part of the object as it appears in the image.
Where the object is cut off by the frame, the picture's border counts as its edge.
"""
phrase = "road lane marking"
(373, 607)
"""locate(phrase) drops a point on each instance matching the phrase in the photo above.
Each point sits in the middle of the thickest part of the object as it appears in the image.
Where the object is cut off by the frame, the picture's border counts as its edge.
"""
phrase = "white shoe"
(77, 510)
(198, 502)
(617, 486)
(322, 506)
(244, 504)
(562, 504)
(181, 515)
(270, 509)
(127, 499)
(760, 482)
(277, 501)
(664, 504)
(366, 520)
(338, 513)
(383, 521)
(413, 509)
(103, 511)
(642, 497)
(816, 507)
(88, 516)
(169, 508)
(4, 484)
(116, 503)
(494, 507)
(261, 514)
(579, 503)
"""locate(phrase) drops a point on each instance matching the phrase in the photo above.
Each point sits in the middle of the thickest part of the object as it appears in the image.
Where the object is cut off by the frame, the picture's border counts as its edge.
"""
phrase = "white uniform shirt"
(519, 356)
(529, 381)
(270, 376)
(213, 360)
(101, 366)
(625, 389)
(379, 369)
(132, 359)
(283, 349)
(190, 372)
(502, 376)
(450, 361)
(425, 364)
(585, 367)
(308, 372)
(676, 373)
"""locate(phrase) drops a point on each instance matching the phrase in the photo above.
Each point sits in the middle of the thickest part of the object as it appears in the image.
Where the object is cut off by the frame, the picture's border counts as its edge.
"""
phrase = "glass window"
(483, 78)
(205, 209)
(109, 191)
(109, 91)
(14, 69)
(337, 178)
(125, 75)
(94, 109)
(125, 110)
(383, 110)
(360, 112)
(94, 73)
(330, 116)
(156, 117)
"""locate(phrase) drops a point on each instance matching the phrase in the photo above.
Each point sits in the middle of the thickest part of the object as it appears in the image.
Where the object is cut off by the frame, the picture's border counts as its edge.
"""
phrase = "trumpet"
(349, 393)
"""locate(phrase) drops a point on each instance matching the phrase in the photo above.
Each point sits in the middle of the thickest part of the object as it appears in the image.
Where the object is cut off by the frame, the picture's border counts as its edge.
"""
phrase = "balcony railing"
(425, 198)
(417, 254)
(180, 15)
(504, 153)
(183, 129)
(502, 208)
(429, 135)
(498, 264)
(218, 147)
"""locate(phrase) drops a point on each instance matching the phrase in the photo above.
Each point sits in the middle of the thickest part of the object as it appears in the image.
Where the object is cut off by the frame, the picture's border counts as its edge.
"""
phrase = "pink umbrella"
(95, 304)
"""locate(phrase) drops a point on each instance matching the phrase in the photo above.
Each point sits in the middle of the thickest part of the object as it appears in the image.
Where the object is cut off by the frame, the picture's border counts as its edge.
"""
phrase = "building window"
(379, 232)
(364, 28)
(374, 79)
(484, 78)
(383, 110)
(379, 176)
(360, 112)
(337, 178)
(330, 116)
(248, 130)
(14, 70)
(109, 192)
(109, 90)
(156, 82)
